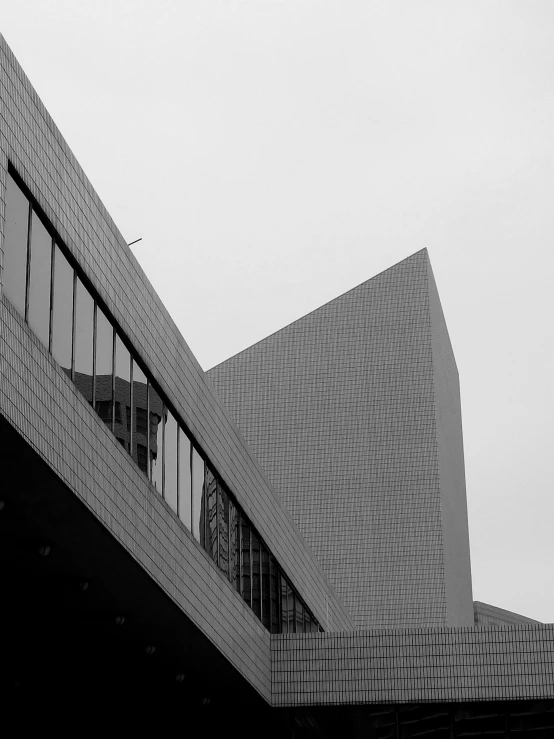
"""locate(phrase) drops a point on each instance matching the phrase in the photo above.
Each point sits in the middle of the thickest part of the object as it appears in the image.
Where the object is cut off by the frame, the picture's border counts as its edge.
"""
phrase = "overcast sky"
(274, 154)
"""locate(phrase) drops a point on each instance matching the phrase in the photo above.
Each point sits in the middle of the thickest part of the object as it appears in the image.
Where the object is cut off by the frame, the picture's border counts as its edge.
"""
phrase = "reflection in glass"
(299, 615)
(274, 594)
(84, 338)
(210, 519)
(234, 551)
(155, 437)
(122, 418)
(287, 607)
(185, 480)
(40, 276)
(245, 562)
(223, 528)
(62, 311)
(266, 619)
(197, 496)
(103, 391)
(307, 621)
(140, 418)
(256, 589)
(15, 245)
(170, 460)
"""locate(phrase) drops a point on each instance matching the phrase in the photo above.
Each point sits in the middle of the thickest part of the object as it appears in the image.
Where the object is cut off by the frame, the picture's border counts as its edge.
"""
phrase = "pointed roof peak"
(421, 254)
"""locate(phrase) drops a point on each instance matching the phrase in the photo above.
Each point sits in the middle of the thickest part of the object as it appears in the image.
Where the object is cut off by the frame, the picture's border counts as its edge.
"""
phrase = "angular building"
(159, 568)
(354, 413)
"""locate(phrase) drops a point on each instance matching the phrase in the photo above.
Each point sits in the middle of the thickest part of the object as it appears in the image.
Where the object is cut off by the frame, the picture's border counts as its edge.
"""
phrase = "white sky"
(274, 154)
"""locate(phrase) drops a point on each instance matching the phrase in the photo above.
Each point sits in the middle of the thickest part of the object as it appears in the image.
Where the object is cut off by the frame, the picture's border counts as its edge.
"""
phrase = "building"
(151, 571)
(354, 413)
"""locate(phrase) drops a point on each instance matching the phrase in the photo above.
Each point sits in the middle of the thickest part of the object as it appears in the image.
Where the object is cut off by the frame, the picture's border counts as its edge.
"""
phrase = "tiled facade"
(487, 615)
(414, 666)
(354, 413)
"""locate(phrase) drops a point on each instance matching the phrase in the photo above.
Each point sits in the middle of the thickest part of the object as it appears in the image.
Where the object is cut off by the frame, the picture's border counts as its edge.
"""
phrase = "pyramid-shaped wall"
(344, 409)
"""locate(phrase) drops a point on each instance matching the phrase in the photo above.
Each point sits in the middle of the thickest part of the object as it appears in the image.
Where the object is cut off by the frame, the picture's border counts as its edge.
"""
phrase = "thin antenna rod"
(135, 241)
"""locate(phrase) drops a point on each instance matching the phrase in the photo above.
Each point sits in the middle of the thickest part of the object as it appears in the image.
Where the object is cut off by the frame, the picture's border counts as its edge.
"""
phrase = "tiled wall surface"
(340, 407)
(414, 666)
(42, 404)
(487, 615)
(450, 451)
(48, 411)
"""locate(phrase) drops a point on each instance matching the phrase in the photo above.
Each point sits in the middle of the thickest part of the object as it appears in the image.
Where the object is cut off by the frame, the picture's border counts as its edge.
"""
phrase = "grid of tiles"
(42, 404)
(486, 615)
(414, 666)
(448, 414)
(339, 407)
(31, 141)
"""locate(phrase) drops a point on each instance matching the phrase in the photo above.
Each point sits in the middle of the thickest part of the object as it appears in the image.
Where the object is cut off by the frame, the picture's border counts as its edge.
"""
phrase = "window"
(274, 591)
(84, 340)
(40, 278)
(62, 311)
(210, 517)
(223, 528)
(141, 415)
(234, 546)
(15, 246)
(299, 615)
(246, 588)
(142, 457)
(41, 283)
(287, 607)
(155, 437)
(266, 614)
(256, 585)
(138, 416)
(103, 381)
(170, 460)
(185, 480)
(122, 391)
(197, 496)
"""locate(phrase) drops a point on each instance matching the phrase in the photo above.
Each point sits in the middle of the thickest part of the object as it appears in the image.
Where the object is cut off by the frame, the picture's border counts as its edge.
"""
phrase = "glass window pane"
(170, 460)
(122, 405)
(266, 619)
(14, 276)
(104, 368)
(274, 594)
(210, 521)
(84, 338)
(185, 480)
(245, 562)
(140, 418)
(198, 496)
(39, 283)
(62, 311)
(299, 615)
(287, 607)
(256, 591)
(234, 551)
(307, 621)
(223, 528)
(155, 437)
